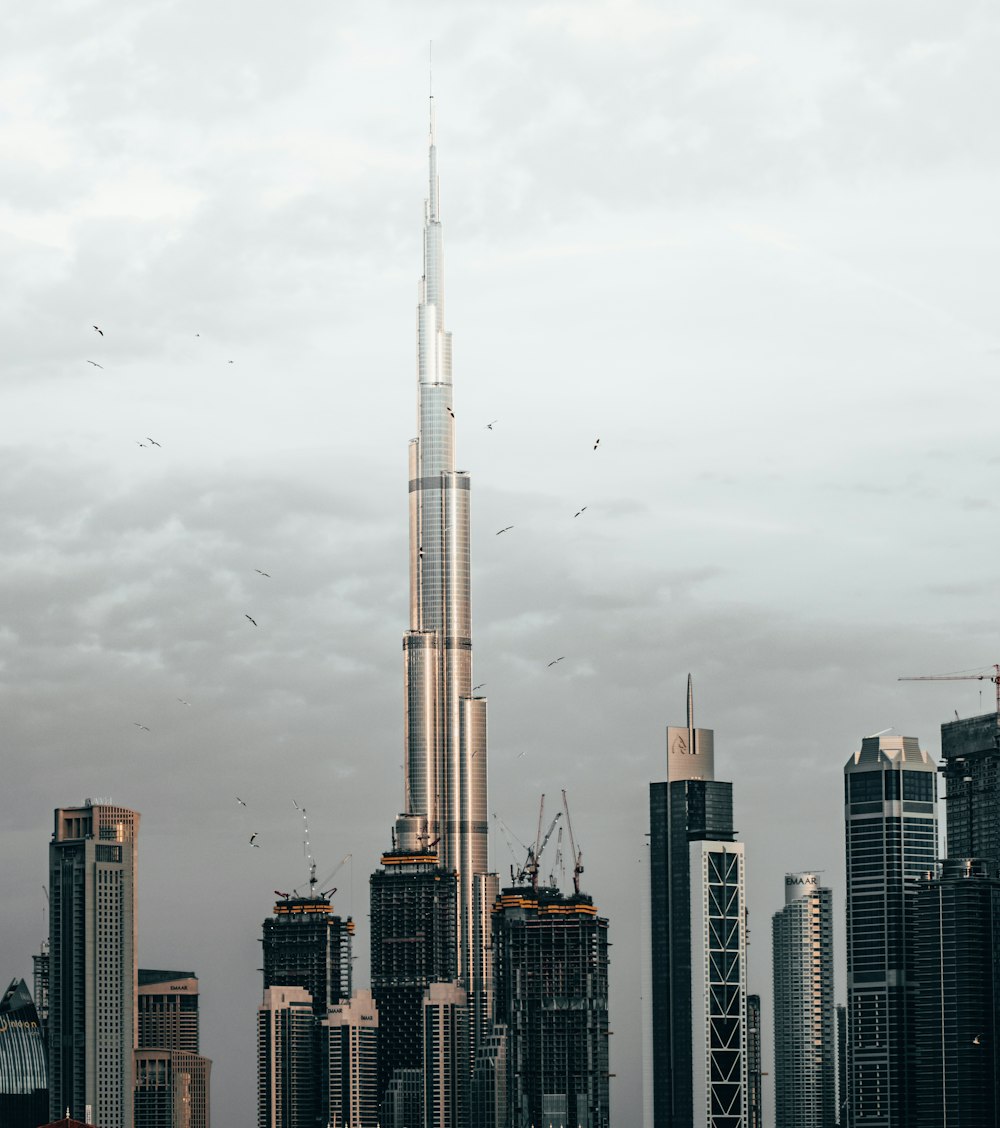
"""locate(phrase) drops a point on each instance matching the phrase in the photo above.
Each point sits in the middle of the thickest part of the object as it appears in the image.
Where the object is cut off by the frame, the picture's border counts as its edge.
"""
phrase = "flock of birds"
(149, 441)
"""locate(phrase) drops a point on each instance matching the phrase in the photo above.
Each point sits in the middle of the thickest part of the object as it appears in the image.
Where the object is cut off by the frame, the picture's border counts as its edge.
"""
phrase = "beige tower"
(92, 978)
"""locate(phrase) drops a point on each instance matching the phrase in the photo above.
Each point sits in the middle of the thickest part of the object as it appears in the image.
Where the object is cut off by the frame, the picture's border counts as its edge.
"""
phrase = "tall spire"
(445, 743)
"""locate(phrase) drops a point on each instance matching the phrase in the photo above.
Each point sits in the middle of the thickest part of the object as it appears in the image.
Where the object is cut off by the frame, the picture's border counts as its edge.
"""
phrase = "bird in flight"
(143, 727)
(95, 364)
(252, 843)
(489, 426)
(296, 806)
(137, 443)
(260, 573)
(450, 412)
(182, 701)
(520, 754)
(153, 442)
(579, 511)
(242, 802)
(230, 362)
(597, 443)
(554, 660)
(506, 529)
(480, 686)
(101, 331)
(978, 1040)
(250, 617)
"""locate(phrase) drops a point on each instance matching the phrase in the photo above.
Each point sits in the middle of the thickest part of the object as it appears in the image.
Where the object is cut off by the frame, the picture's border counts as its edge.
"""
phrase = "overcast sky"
(751, 247)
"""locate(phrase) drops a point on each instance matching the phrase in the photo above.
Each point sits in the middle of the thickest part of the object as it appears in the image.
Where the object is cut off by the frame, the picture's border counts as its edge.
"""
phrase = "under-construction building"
(414, 944)
(307, 945)
(550, 955)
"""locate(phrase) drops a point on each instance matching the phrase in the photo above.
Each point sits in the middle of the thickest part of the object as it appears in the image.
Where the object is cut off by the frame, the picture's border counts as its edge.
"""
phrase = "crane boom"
(994, 678)
(577, 854)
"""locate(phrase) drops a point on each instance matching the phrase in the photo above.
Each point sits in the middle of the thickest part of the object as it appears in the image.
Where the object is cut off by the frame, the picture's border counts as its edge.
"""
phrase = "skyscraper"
(957, 967)
(890, 811)
(172, 1079)
(168, 1010)
(551, 966)
(413, 944)
(349, 1063)
(697, 920)
(171, 1089)
(307, 945)
(445, 722)
(971, 751)
(957, 940)
(804, 1033)
(755, 1065)
(288, 1088)
(24, 1090)
(446, 1068)
(92, 970)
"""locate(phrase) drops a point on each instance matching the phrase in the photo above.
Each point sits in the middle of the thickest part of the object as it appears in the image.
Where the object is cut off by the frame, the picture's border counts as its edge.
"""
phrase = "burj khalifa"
(444, 817)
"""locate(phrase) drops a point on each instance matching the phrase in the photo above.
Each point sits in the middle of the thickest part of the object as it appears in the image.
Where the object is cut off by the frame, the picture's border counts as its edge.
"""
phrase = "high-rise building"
(970, 748)
(488, 1095)
(413, 944)
(172, 1079)
(167, 1010)
(446, 1067)
(804, 1034)
(891, 836)
(349, 1064)
(445, 721)
(843, 1103)
(92, 969)
(24, 1089)
(288, 1087)
(755, 1065)
(957, 967)
(697, 922)
(307, 945)
(171, 1089)
(40, 964)
(550, 956)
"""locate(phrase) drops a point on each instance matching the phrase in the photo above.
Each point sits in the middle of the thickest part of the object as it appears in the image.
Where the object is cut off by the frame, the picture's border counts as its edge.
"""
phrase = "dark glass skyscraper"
(957, 967)
(697, 1013)
(971, 751)
(24, 1090)
(891, 835)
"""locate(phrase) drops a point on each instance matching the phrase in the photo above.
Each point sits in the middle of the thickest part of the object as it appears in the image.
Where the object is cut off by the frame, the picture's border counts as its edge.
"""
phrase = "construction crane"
(559, 865)
(994, 678)
(533, 860)
(577, 854)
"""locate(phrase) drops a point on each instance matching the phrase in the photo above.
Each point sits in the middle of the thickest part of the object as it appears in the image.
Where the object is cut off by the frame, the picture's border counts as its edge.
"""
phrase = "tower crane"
(994, 678)
(577, 854)
(532, 862)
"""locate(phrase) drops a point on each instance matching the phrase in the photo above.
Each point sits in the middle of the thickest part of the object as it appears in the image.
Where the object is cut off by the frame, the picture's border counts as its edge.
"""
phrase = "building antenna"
(690, 714)
(430, 85)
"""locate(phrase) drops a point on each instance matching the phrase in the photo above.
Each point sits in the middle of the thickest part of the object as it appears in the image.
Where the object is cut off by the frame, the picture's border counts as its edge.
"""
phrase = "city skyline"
(774, 313)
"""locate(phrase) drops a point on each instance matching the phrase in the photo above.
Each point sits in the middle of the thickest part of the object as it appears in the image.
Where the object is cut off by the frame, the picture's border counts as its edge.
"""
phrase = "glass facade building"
(957, 966)
(24, 1087)
(804, 1024)
(890, 809)
(697, 1013)
(445, 746)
